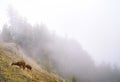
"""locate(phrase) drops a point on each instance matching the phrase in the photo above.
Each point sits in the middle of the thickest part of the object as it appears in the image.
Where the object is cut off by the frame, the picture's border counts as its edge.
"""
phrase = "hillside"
(10, 52)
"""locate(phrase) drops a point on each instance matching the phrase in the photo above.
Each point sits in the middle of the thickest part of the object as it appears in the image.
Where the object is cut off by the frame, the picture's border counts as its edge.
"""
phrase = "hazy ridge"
(9, 54)
(63, 56)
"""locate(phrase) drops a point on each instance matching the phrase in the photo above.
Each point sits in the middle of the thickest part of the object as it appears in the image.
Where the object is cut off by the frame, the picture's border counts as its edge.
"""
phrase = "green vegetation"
(10, 73)
(74, 79)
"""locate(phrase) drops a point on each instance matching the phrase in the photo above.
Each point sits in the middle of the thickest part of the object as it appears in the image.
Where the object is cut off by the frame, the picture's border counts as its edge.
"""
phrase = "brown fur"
(28, 67)
(21, 64)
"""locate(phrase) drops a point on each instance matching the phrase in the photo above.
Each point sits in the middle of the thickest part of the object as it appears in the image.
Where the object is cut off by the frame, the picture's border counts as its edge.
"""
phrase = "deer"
(21, 64)
(28, 67)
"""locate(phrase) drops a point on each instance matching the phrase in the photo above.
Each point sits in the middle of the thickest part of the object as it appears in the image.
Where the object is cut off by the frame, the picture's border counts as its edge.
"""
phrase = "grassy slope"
(10, 73)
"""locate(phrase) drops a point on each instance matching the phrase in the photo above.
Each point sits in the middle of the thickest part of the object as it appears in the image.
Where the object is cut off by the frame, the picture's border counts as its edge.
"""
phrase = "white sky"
(94, 23)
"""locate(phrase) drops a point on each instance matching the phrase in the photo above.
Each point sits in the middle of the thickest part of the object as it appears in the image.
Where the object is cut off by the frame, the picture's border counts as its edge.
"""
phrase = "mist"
(93, 23)
(61, 55)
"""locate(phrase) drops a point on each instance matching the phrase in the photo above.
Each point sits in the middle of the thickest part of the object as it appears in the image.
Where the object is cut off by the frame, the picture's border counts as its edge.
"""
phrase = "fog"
(63, 56)
(80, 41)
(93, 23)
